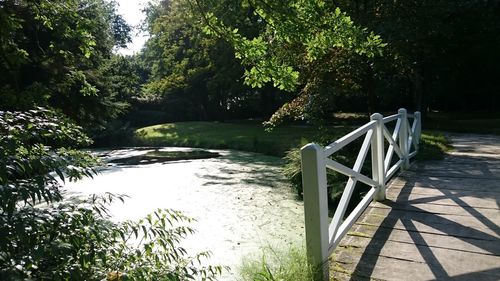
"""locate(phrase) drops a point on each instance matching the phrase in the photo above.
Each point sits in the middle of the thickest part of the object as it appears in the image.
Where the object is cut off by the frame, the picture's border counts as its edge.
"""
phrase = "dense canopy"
(63, 85)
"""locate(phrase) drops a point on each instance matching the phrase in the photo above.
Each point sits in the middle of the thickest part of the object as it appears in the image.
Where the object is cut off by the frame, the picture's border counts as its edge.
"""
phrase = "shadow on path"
(462, 175)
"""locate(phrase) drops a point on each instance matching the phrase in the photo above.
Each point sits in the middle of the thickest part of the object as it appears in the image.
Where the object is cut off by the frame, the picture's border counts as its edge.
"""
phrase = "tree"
(305, 46)
(50, 52)
(440, 54)
(194, 71)
(124, 76)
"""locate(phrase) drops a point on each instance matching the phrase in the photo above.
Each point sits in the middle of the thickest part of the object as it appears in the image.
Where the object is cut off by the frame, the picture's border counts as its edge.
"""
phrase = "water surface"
(240, 200)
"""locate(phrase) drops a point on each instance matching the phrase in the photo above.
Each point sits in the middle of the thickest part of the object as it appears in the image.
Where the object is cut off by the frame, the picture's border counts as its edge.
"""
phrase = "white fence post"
(315, 206)
(403, 138)
(378, 151)
(418, 129)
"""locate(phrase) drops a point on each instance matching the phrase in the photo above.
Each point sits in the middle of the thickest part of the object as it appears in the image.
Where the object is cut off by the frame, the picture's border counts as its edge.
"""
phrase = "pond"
(240, 200)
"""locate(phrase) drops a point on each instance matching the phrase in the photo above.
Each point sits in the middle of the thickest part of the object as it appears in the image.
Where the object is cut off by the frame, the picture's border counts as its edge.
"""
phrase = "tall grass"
(278, 264)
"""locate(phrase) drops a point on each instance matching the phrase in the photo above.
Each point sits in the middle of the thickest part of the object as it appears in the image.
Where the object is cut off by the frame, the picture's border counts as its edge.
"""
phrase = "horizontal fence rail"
(322, 236)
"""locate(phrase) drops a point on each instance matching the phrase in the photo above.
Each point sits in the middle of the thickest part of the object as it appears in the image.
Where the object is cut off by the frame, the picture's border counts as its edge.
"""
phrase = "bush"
(335, 181)
(293, 170)
(47, 238)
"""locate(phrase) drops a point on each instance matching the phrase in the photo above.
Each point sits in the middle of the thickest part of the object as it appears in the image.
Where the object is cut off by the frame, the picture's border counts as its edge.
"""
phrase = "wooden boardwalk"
(441, 221)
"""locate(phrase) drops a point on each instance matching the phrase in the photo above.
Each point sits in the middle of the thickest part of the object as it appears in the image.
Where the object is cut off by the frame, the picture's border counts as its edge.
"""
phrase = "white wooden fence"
(323, 236)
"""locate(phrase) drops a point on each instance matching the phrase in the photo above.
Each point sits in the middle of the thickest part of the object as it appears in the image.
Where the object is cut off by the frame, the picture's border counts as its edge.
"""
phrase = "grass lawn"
(251, 136)
(433, 146)
(247, 136)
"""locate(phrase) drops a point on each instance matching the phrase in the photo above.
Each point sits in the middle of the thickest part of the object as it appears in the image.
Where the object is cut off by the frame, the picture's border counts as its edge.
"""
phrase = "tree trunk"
(370, 90)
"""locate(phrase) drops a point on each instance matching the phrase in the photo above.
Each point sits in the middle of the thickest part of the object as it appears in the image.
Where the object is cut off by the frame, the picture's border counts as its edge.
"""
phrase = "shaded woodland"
(224, 60)
(63, 85)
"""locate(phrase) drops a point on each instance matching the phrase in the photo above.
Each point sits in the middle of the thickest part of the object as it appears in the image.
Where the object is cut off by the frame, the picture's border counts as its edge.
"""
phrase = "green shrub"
(47, 238)
(335, 181)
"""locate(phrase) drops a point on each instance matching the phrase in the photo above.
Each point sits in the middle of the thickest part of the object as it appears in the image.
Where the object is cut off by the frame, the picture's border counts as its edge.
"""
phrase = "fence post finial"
(378, 151)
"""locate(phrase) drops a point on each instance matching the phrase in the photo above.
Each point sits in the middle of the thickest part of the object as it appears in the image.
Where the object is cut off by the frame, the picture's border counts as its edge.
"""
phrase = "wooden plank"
(447, 198)
(453, 262)
(487, 174)
(443, 241)
(431, 223)
(375, 267)
(453, 165)
(450, 159)
(432, 191)
(441, 220)
(378, 267)
(491, 185)
(492, 215)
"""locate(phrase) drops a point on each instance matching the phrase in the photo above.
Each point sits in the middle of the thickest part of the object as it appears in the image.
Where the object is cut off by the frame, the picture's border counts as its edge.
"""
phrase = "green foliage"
(124, 77)
(193, 74)
(439, 56)
(31, 174)
(47, 238)
(293, 170)
(50, 53)
(303, 45)
(344, 55)
(277, 265)
(311, 28)
(120, 79)
(28, 167)
(148, 249)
